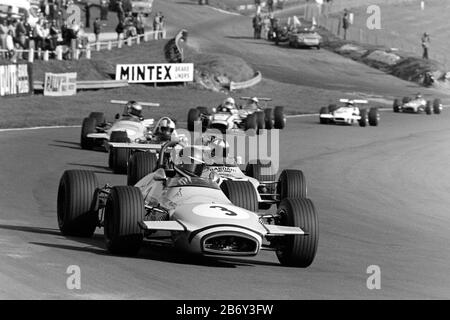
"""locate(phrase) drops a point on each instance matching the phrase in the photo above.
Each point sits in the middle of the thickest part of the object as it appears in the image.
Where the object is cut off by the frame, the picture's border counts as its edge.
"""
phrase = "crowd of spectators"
(51, 28)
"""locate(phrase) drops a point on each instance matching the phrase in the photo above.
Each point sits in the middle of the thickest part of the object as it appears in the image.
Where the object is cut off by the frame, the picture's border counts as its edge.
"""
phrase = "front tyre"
(140, 165)
(298, 250)
(89, 126)
(125, 209)
(374, 117)
(280, 120)
(363, 120)
(241, 194)
(437, 106)
(428, 108)
(74, 205)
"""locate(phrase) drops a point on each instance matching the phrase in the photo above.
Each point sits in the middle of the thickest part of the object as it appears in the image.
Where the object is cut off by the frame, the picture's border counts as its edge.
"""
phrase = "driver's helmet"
(418, 96)
(191, 160)
(350, 103)
(220, 148)
(228, 104)
(253, 103)
(134, 109)
(165, 129)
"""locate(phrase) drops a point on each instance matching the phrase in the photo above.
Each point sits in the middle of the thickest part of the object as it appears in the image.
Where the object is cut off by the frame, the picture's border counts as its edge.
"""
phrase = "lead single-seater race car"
(417, 104)
(199, 217)
(304, 37)
(244, 117)
(349, 114)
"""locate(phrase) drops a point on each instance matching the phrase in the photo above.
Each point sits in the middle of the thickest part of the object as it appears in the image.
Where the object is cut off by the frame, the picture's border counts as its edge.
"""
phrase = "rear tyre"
(193, 116)
(118, 157)
(74, 206)
(140, 165)
(251, 122)
(298, 250)
(280, 120)
(396, 105)
(260, 121)
(98, 116)
(428, 108)
(125, 209)
(363, 121)
(292, 184)
(323, 110)
(241, 194)
(89, 126)
(374, 117)
(268, 118)
(437, 105)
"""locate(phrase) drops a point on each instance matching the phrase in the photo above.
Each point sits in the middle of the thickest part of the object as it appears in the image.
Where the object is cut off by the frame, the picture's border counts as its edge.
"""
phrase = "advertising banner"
(155, 73)
(60, 84)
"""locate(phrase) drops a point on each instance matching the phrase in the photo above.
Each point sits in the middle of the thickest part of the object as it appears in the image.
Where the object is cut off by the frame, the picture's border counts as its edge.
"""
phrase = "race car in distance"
(199, 216)
(417, 105)
(304, 37)
(349, 113)
(228, 116)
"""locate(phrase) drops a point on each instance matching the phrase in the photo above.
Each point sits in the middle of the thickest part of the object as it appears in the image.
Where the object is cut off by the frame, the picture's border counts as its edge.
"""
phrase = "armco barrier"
(246, 84)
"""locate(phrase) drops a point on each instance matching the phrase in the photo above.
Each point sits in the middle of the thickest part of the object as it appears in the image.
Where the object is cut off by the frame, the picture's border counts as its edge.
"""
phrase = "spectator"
(139, 24)
(345, 23)
(119, 30)
(104, 7)
(38, 36)
(97, 29)
(9, 46)
(158, 25)
(45, 36)
(120, 11)
(425, 45)
(21, 34)
(87, 12)
(3, 33)
(54, 35)
(270, 6)
(257, 26)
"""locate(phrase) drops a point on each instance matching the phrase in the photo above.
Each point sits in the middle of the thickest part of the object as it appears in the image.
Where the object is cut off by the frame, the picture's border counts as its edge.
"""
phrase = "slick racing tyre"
(298, 250)
(260, 121)
(364, 117)
(241, 194)
(89, 126)
(118, 157)
(268, 118)
(125, 209)
(437, 105)
(98, 116)
(140, 165)
(324, 110)
(74, 205)
(193, 116)
(251, 122)
(396, 105)
(292, 184)
(280, 120)
(428, 108)
(374, 117)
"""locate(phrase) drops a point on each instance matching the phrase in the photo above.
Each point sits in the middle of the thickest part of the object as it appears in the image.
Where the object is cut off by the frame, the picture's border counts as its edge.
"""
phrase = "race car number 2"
(220, 211)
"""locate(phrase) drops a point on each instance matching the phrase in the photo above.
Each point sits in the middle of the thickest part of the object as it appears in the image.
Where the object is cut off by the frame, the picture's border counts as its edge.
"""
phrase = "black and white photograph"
(224, 156)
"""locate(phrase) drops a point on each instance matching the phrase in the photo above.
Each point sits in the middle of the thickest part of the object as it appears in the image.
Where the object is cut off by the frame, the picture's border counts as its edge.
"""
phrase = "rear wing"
(145, 104)
(354, 101)
(260, 99)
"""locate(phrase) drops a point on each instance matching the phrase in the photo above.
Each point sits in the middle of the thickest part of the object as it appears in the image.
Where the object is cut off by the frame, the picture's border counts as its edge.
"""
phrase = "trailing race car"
(417, 105)
(349, 114)
(201, 218)
(96, 131)
(304, 37)
(229, 117)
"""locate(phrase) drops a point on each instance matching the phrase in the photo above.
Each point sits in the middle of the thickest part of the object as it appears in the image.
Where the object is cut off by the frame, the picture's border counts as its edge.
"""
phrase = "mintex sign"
(155, 73)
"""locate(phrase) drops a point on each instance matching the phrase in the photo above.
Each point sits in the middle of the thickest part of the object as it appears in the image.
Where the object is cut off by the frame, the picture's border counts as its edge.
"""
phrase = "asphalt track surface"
(381, 194)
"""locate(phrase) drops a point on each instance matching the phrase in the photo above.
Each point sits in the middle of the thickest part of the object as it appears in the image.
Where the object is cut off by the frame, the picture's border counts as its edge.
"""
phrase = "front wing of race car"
(220, 239)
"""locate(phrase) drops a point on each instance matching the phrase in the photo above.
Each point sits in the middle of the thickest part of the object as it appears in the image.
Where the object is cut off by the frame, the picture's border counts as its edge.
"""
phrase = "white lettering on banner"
(155, 73)
(60, 84)
(14, 79)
